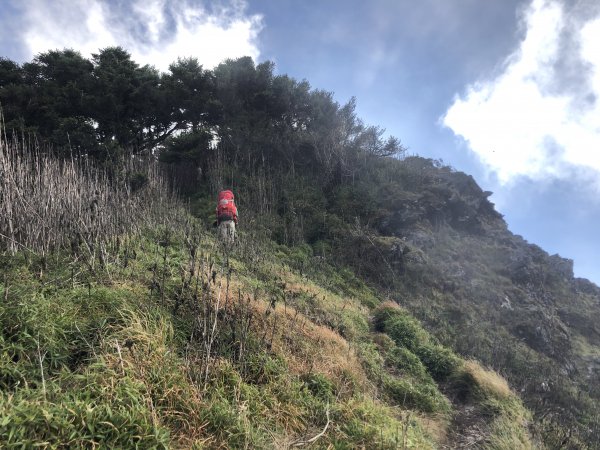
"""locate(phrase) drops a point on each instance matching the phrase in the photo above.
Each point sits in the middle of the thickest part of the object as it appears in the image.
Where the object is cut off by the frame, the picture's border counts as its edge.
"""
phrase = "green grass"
(407, 333)
(113, 357)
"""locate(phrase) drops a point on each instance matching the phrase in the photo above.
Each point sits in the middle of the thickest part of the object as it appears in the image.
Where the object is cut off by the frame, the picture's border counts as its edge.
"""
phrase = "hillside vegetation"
(165, 339)
(365, 287)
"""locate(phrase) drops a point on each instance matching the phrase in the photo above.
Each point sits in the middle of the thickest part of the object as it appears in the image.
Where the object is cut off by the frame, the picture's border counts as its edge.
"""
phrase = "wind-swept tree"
(125, 99)
(12, 94)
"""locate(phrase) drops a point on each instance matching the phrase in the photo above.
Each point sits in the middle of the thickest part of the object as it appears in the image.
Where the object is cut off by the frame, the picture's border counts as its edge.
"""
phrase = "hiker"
(227, 216)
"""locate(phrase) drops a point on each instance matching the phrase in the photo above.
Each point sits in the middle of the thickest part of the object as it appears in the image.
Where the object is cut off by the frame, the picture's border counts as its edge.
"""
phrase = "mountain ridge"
(320, 193)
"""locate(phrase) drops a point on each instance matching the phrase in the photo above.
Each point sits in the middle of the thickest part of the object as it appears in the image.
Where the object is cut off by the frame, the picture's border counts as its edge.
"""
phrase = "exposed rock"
(585, 286)
(421, 239)
(506, 303)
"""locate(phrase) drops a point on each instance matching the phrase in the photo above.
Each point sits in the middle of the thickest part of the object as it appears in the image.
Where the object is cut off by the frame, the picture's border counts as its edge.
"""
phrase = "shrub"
(415, 389)
(440, 361)
(383, 312)
(137, 181)
(406, 362)
(319, 386)
(405, 331)
(261, 368)
(420, 396)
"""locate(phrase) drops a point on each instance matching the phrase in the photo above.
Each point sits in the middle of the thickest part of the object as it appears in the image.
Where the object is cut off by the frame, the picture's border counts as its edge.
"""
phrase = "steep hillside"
(427, 237)
(293, 335)
(176, 344)
(125, 323)
(490, 294)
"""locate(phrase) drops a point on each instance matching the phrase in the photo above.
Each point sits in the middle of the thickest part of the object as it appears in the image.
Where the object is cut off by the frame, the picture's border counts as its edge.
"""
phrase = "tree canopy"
(109, 102)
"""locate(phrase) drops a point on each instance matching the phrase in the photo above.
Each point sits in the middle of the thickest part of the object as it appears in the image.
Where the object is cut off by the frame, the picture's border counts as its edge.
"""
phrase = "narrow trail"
(469, 428)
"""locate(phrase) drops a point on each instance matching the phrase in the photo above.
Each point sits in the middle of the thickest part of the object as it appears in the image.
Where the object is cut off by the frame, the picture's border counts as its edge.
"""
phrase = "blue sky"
(505, 90)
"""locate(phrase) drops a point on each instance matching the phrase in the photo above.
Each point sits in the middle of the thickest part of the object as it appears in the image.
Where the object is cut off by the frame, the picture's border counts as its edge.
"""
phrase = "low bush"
(407, 333)
(319, 386)
(405, 362)
(406, 382)
(415, 395)
(440, 361)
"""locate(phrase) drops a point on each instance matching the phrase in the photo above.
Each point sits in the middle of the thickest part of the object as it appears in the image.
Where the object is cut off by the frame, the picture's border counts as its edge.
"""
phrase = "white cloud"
(155, 32)
(539, 118)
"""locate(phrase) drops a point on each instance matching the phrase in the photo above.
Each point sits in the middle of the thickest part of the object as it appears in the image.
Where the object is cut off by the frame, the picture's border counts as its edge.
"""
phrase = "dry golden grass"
(435, 426)
(326, 300)
(389, 304)
(488, 380)
(141, 351)
(305, 346)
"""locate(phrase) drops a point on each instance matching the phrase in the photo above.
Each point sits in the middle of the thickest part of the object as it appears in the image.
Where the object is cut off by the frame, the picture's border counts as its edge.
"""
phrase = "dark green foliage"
(10, 72)
(137, 181)
(415, 395)
(191, 147)
(407, 333)
(129, 98)
(257, 117)
(319, 386)
(440, 361)
(189, 95)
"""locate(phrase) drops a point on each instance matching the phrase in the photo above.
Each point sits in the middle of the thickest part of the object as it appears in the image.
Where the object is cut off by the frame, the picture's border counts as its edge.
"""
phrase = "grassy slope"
(300, 351)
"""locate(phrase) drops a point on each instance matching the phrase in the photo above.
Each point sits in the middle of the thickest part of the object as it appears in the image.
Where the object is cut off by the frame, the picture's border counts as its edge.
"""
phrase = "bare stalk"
(41, 362)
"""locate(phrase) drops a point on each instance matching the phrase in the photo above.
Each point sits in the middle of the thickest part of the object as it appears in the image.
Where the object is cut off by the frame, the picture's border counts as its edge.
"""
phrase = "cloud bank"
(155, 32)
(540, 116)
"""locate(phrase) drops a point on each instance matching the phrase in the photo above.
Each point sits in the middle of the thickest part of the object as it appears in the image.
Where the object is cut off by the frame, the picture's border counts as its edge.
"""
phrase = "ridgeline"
(372, 299)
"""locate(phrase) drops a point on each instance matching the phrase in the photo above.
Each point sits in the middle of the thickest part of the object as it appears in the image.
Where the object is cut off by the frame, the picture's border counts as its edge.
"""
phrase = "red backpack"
(226, 209)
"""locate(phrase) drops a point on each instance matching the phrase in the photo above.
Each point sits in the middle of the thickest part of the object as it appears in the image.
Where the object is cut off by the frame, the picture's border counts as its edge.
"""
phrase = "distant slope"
(492, 295)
